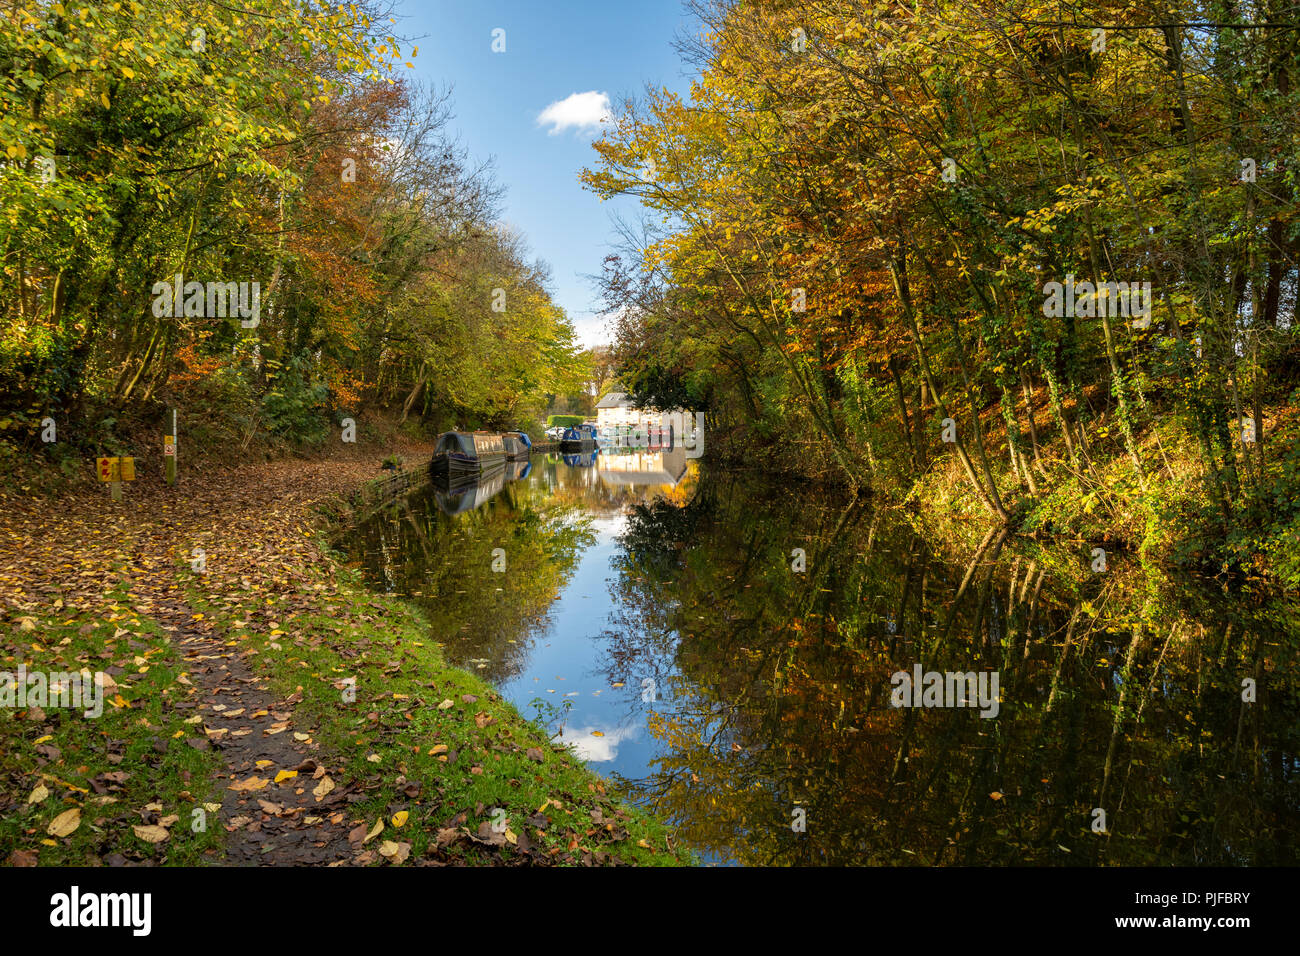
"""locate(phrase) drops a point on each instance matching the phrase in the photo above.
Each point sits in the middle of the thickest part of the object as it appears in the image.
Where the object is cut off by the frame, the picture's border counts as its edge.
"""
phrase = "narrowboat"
(460, 455)
(517, 446)
(579, 438)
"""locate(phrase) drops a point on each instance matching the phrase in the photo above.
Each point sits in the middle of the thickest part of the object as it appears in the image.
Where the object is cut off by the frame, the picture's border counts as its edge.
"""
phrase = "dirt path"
(294, 821)
(281, 803)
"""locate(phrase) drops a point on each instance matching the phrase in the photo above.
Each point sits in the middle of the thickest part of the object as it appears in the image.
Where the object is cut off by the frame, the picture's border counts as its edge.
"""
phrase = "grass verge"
(125, 786)
(446, 763)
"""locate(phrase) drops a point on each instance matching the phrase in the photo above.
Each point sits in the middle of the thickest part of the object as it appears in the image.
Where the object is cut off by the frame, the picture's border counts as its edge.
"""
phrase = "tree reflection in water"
(1120, 691)
(767, 690)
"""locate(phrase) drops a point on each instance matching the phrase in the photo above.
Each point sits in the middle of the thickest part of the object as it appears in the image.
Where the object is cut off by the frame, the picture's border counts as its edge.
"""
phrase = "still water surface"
(651, 613)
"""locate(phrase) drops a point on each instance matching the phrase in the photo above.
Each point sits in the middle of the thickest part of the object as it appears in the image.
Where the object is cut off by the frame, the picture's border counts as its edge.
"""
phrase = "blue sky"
(554, 49)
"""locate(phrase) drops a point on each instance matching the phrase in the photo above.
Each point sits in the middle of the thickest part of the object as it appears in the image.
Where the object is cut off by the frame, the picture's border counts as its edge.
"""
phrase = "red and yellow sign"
(115, 469)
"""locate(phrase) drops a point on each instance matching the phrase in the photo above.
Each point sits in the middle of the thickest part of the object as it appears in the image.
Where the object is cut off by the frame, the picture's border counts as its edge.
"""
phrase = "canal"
(728, 650)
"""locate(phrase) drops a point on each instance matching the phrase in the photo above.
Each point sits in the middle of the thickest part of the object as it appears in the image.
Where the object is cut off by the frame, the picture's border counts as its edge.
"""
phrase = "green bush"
(295, 407)
(568, 421)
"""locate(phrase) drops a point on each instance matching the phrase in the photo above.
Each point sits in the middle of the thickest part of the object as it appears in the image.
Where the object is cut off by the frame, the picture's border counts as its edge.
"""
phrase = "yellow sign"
(115, 469)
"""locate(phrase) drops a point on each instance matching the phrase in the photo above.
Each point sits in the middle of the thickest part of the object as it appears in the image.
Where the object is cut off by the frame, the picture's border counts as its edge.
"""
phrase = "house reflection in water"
(619, 466)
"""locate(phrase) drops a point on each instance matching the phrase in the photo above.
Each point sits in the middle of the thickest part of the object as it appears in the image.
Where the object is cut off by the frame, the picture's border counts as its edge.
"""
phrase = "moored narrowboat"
(579, 438)
(467, 455)
(517, 446)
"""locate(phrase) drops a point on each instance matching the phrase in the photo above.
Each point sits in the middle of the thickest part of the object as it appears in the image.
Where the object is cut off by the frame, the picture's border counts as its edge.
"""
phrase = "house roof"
(615, 400)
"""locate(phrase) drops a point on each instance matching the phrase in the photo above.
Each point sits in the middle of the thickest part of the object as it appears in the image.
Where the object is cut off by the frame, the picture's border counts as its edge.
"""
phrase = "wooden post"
(115, 489)
(169, 447)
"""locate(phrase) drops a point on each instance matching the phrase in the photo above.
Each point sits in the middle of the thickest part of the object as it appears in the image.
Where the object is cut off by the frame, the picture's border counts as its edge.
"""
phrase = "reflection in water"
(657, 617)
(642, 467)
(453, 498)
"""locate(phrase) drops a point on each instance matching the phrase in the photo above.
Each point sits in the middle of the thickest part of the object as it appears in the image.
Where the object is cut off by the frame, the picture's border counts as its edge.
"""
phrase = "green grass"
(138, 724)
(393, 736)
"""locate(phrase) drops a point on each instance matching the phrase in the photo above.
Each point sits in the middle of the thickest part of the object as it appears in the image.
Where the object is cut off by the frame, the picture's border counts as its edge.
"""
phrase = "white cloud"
(580, 111)
(597, 749)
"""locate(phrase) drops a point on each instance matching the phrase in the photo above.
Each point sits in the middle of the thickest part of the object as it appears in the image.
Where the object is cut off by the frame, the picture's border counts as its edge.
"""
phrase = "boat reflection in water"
(461, 496)
(638, 470)
(458, 495)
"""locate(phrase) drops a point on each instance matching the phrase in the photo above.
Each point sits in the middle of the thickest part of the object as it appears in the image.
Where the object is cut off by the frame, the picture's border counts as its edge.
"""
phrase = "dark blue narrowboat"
(463, 455)
(579, 438)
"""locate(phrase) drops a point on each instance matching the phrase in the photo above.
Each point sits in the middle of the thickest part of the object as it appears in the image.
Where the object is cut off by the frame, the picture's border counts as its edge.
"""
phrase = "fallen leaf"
(151, 834)
(65, 823)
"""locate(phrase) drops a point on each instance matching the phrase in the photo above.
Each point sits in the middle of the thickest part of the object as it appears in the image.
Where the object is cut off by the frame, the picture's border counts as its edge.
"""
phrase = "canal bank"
(259, 688)
(722, 647)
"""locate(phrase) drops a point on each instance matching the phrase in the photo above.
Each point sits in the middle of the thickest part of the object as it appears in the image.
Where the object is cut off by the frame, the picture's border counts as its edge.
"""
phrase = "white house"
(616, 409)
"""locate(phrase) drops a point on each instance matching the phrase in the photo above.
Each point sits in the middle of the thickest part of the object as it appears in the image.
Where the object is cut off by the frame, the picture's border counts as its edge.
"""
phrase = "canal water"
(728, 650)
